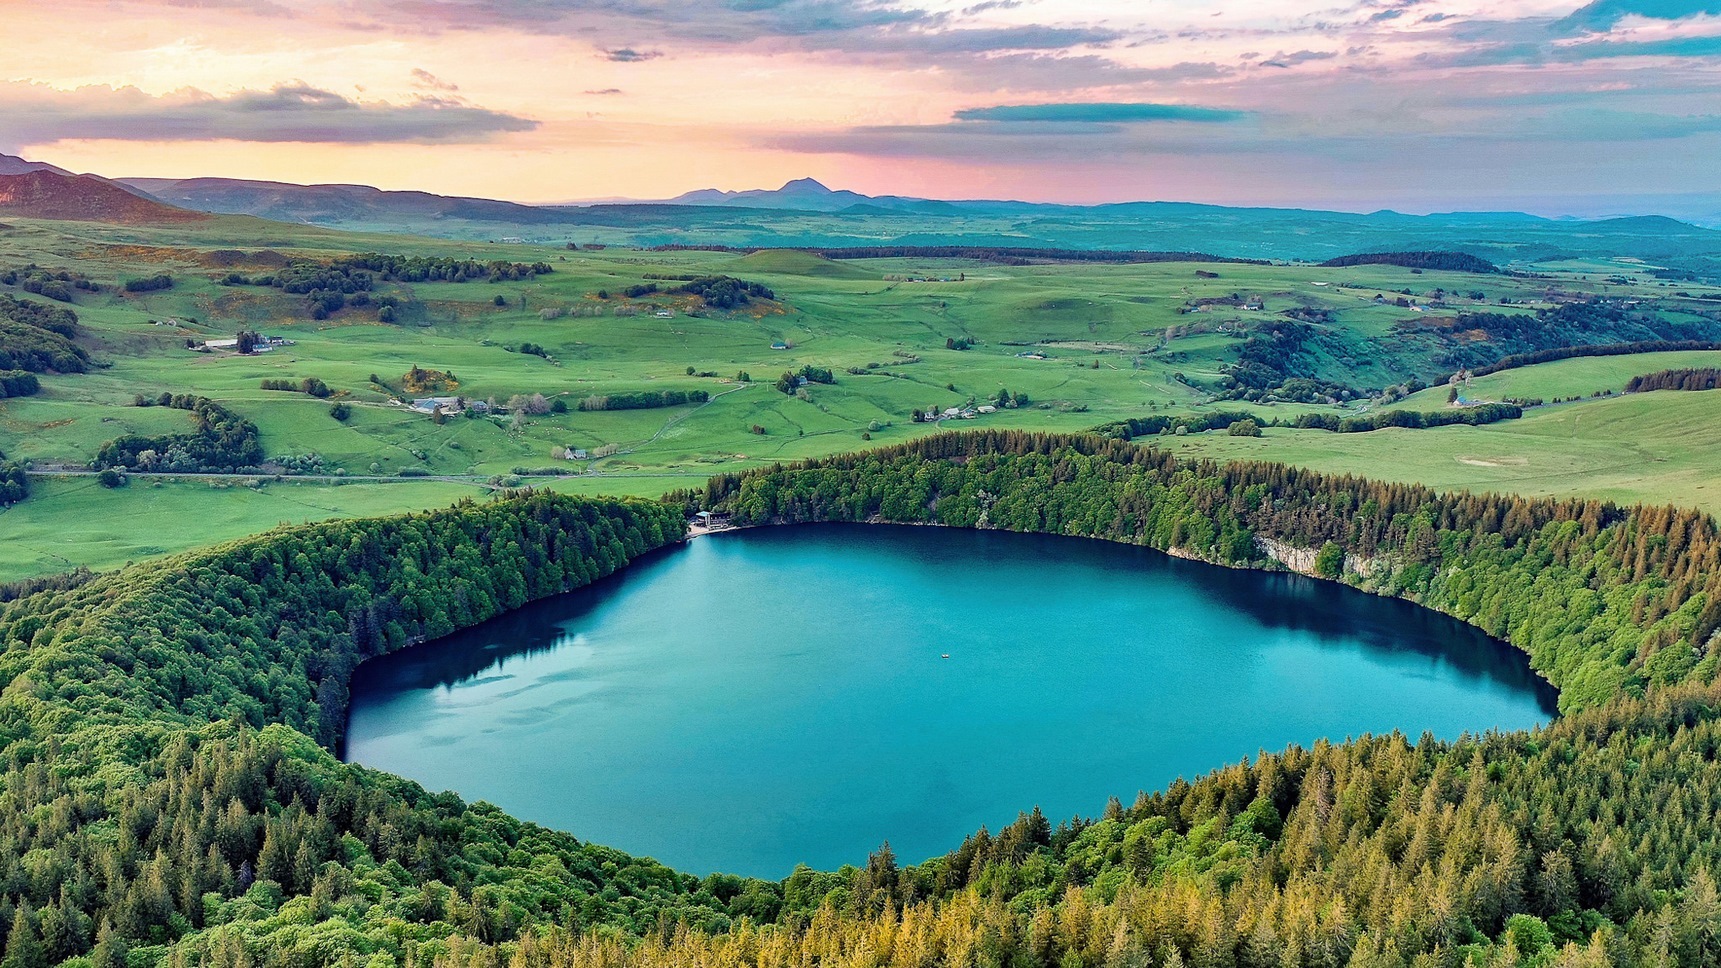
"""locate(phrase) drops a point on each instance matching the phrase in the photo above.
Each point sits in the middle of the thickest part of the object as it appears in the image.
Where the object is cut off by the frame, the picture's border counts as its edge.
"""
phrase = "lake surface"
(766, 697)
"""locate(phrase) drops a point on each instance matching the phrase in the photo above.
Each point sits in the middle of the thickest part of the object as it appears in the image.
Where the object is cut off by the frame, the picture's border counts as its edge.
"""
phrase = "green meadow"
(1652, 448)
(1080, 345)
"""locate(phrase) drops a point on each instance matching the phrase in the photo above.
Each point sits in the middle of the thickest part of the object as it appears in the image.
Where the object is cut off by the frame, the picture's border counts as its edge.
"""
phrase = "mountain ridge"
(54, 194)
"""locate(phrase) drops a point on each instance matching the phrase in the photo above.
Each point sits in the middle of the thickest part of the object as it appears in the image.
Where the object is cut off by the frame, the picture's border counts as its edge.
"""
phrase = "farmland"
(1076, 345)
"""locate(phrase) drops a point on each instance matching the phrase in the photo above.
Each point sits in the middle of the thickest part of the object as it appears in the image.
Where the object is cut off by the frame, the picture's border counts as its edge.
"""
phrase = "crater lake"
(758, 699)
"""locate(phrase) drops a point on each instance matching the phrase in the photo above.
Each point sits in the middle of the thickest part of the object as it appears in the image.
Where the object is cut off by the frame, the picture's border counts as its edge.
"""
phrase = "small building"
(576, 453)
(665, 314)
(444, 404)
(988, 408)
(710, 520)
(221, 344)
(779, 345)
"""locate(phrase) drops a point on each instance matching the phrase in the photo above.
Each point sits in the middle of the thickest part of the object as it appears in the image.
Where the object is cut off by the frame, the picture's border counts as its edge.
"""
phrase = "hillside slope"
(48, 194)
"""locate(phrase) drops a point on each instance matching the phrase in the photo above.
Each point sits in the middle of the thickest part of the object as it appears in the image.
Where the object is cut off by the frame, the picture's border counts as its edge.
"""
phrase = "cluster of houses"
(959, 413)
(449, 405)
(581, 453)
(263, 344)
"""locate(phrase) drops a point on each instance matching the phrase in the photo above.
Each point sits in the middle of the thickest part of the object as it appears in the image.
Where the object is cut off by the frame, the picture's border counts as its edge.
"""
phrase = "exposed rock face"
(1302, 560)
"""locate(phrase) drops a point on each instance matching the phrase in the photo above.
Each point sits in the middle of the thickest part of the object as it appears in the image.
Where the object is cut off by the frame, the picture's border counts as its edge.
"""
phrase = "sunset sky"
(1418, 105)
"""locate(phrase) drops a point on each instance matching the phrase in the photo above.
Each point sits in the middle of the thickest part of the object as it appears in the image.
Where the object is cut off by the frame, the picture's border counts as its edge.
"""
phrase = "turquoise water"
(762, 698)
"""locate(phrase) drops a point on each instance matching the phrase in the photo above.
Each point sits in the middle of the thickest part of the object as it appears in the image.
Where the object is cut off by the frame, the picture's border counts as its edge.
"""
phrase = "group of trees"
(1708, 378)
(643, 399)
(1476, 416)
(14, 483)
(1276, 360)
(38, 338)
(1438, 260)
(309, 385)
(220, 442)
(793, 379)
(725, 292)
(18, 383)
(58, 285)
(153, 283)
(422, 380)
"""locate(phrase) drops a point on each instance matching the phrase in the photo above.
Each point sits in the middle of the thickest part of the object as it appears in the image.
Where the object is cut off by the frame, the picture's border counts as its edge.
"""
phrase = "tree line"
(1001, 255)
(1194, 423)
(644, 399)
(1443, 261)
(1706, 378)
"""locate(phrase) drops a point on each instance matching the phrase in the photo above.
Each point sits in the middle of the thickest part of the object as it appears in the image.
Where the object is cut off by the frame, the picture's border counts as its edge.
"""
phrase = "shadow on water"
(1276, 600)
(533, 629)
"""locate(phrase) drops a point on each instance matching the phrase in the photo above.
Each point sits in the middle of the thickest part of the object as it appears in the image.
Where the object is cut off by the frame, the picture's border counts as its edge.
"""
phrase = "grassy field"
(1563, 378)
(69, 522)
(1086, 344)
(1656, 448)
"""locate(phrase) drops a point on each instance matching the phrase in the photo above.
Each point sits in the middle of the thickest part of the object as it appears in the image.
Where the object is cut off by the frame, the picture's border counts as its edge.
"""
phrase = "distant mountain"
(811, 195)
(13, 165)
(334, 204)
(49, 193)
(808, 214)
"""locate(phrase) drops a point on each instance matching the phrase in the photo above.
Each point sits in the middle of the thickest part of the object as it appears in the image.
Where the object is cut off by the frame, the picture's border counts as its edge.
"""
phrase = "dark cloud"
(1098, 113)
(1298, 57)
(424, 78)
(627, 55)
(294, 112)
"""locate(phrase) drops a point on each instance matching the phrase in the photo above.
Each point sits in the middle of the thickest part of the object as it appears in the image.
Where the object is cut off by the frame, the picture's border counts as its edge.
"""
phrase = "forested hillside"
(170, 798)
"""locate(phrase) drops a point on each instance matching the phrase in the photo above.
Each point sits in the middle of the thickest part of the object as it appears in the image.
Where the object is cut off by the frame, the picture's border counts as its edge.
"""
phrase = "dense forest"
(1577, 329)
(220, 442)
(1441, 261)
(1691, 379)
(170, 798)
(38, 338)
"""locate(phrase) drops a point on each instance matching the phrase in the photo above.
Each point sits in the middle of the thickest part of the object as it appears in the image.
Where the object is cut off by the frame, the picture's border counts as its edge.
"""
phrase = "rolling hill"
(56, 195)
